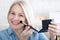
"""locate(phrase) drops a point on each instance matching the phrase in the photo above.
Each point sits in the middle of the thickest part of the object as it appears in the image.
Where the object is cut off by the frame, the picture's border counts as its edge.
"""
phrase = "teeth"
(15, 23)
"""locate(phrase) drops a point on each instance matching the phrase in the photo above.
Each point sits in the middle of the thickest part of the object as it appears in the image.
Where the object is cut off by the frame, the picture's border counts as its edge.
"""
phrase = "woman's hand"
(54, 29)
(26, 33)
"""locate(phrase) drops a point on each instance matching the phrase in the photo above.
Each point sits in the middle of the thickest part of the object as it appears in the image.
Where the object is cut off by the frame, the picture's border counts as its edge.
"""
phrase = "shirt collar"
(10, 31)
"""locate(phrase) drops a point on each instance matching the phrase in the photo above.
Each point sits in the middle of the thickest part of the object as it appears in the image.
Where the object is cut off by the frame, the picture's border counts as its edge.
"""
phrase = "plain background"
(40, 7)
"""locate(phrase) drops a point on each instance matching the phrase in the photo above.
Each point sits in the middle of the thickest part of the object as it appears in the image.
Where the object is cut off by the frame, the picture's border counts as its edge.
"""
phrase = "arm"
(25, 33)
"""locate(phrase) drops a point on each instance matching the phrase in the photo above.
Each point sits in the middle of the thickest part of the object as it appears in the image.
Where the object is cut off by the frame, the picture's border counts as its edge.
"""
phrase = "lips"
(15, 22)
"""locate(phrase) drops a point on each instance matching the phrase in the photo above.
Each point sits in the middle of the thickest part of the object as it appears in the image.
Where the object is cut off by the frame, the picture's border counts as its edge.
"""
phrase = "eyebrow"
(18, 13)
(10, 11)
(22, 14)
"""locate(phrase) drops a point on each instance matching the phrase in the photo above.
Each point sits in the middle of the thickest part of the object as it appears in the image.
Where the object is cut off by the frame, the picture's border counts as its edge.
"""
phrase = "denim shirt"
(8, 34)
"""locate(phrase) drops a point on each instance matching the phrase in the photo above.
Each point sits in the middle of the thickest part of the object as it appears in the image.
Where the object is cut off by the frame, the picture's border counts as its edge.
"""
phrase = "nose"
(16, 18)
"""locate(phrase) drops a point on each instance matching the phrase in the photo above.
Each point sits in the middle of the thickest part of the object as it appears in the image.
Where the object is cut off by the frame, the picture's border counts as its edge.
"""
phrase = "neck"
(18, 32)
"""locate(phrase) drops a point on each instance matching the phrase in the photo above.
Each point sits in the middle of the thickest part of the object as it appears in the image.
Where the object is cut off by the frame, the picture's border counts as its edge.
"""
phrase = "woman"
(17, 31)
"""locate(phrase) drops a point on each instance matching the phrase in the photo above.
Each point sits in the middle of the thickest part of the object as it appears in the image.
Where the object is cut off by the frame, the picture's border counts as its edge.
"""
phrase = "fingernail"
(49, 25)
(28, 27)
(52, 22)
(31, 32)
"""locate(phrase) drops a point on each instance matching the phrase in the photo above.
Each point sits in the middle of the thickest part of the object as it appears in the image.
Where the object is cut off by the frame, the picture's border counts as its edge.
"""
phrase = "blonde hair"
(20, 3)
(27, 9)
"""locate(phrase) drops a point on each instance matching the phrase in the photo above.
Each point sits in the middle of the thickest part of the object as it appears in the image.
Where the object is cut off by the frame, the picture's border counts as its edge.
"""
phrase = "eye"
(13, 13)
(21, 15)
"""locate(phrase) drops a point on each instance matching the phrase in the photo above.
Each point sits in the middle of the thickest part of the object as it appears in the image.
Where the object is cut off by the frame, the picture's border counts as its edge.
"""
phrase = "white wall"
(50, 8)
(4, 7)
(40, 7)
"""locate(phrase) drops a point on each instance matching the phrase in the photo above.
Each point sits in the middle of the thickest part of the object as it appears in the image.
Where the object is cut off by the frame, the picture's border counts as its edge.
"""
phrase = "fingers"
(27, 28)
(28, 31)
(54, 23)
(54, 28)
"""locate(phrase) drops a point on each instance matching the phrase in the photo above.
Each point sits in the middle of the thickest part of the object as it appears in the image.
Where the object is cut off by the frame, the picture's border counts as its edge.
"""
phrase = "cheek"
(10, 17)
(23, 19)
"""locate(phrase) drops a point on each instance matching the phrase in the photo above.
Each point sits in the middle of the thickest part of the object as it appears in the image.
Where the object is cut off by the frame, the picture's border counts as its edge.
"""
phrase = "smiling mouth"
(15, 23)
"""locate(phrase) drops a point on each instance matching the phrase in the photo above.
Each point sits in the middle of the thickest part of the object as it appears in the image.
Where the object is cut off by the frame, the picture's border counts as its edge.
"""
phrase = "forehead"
(17, 8)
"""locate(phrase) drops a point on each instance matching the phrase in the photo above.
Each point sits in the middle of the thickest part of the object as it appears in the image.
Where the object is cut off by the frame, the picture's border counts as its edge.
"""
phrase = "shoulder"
(7, 31)
(3, 33)
(39, 36)
(42, 36)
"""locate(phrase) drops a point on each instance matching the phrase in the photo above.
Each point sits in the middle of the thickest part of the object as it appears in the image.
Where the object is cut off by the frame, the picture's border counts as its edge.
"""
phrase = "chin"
(17, 27)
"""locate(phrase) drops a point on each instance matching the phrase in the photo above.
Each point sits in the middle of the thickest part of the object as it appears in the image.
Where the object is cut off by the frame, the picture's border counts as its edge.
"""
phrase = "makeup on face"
(25, 25)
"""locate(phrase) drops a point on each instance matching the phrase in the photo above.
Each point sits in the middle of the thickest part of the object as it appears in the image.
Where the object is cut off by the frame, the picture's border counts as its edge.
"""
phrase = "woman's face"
(15, 16)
